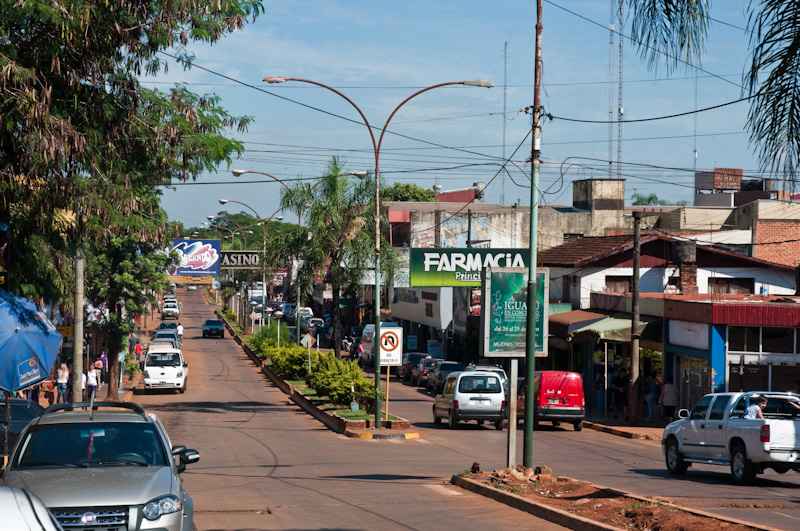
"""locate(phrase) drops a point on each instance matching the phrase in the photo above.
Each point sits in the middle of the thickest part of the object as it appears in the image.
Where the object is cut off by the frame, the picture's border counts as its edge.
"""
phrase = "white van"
(471, 395)
(368, 341)
(165, 368)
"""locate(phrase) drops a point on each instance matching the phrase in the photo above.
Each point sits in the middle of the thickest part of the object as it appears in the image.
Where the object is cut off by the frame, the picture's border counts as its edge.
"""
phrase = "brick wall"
(777, 241)
(688, 278)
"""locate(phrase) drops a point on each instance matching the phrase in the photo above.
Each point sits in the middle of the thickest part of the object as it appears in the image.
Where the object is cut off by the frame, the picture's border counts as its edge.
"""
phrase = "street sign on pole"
(391, 342)
(308, 341)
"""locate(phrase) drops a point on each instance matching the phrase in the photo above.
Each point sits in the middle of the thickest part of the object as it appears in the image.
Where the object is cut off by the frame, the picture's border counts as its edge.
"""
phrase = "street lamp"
(278, 316)
(264, 228)
(377, 150)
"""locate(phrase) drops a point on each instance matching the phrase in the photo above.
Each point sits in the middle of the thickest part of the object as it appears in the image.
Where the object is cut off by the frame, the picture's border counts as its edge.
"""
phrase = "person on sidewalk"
(670, 395)
(620, 389)
(651, 394)
(92, 380)
(62, 379)
(104, 367)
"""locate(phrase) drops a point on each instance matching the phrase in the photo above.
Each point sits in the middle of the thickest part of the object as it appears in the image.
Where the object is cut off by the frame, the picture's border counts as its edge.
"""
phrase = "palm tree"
(339, 214)
(676, 29)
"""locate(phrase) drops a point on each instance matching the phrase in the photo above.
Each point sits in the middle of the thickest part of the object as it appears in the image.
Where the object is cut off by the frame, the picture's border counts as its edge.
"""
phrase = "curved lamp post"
(264, 228)
(376, 147)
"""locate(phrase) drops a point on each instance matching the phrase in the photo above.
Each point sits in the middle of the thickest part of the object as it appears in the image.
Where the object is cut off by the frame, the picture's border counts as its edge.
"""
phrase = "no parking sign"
(391, 342)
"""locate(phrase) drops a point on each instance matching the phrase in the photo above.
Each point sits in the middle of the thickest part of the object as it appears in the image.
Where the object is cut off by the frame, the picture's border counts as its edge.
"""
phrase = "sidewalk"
(649, 432)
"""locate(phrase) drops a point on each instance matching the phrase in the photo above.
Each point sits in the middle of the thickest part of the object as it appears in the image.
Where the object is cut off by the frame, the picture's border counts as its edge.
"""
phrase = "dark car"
(21, 413)
(423, 368)
(166, 325)
(409, 360)
(440, 372)
(213, 328)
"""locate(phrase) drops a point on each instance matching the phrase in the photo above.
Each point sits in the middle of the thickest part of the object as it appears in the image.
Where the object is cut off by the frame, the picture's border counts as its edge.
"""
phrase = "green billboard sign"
(504, 316)
(459, 267)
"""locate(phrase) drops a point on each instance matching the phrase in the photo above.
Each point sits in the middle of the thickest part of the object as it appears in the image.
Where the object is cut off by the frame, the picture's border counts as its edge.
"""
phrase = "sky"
(380, 53)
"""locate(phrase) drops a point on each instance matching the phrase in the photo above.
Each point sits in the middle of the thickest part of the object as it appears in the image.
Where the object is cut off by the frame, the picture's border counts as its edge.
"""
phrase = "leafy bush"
(342, 382)
(267, 337)
(290, 362)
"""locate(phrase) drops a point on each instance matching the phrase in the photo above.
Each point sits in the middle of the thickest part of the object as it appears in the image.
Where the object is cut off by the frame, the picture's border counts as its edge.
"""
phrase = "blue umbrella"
(29, 343)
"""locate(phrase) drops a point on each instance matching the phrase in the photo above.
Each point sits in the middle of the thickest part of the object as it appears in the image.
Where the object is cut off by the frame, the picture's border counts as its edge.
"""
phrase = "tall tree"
(673, 32)
(339, 232)
(407, 192)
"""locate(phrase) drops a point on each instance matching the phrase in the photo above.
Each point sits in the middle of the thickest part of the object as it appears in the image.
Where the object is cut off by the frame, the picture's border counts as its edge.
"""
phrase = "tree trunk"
(114, 348)
(336, 316)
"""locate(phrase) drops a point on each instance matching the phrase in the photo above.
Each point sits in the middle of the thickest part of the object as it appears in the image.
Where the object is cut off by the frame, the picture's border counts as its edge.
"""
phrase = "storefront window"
(743, 339)
(779, 340)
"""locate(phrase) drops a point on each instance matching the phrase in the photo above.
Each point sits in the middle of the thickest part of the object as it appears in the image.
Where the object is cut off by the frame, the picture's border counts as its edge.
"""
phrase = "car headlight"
(160, 506)
(146, 373)
(180, 374)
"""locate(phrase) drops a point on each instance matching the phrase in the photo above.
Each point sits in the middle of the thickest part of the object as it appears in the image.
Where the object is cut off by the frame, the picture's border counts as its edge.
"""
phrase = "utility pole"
(633, 395)
(530, 351)
(77, 342)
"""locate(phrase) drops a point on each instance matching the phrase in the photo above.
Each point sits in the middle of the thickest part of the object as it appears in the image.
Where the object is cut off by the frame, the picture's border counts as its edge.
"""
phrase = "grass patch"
(296, 383)
(361, 415)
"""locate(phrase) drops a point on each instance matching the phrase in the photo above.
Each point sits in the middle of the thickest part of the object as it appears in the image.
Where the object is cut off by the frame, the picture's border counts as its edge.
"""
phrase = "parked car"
(166, 335)
(717, 432)
(410, 359)
(439, 373)
(165, 368)
(21, 412)
(192, 287)
(490, 368)
(164, 325)
(558, 397)
(111, 467)
(420, 371)
(471, 395)
(213, 328)
(23, 510)
(316, 327)
(170, 310)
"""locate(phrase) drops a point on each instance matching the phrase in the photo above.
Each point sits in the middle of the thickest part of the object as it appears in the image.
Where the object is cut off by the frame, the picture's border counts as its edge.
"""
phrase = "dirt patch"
(598, 504)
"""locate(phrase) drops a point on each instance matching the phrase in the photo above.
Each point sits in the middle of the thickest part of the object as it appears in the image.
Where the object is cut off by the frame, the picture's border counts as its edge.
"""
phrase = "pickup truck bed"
(716, 432)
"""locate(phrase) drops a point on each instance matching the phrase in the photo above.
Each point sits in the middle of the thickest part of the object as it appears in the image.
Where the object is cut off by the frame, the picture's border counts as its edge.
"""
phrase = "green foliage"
(407, 192)
(289, 361)
(342, 382)
(267, 337)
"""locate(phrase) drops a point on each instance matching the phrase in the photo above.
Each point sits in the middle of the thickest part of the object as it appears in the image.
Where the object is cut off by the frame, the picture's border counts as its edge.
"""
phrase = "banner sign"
(460, 267)
(198, 258)
(240, 260)
(504, 318)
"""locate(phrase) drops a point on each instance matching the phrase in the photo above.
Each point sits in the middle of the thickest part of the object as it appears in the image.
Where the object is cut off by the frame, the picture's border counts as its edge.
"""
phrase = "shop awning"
(580, 326)
(613, 328)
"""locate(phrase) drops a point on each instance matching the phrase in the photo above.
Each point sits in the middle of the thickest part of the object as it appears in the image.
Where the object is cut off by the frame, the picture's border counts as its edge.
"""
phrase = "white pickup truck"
(715, 432)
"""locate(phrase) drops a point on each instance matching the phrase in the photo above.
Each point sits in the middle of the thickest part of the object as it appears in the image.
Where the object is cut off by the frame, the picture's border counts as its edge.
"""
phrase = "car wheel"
(480, 423)
(556, 423)
(498, 424)
(578, 425)
(452, 422)
(742, 469)
(436, 419)
(674, 459)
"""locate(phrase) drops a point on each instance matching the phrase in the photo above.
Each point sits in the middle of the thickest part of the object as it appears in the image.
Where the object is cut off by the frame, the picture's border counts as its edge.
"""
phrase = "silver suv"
(106, 466)
(471, 395)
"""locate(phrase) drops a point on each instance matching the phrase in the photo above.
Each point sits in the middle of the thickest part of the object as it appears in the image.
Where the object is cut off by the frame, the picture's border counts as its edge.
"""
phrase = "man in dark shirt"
(619, 387)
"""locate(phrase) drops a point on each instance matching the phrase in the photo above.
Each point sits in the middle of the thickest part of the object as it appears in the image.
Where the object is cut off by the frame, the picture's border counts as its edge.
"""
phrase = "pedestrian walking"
(92, 381)
(670, 395)
(651, 394)
(620, 389)
(180, 332)
(62, 379)
(138, 351)
(104, 362)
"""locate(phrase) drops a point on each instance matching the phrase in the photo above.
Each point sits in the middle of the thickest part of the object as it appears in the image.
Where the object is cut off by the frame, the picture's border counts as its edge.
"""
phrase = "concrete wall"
(698, 218)
(654, 280)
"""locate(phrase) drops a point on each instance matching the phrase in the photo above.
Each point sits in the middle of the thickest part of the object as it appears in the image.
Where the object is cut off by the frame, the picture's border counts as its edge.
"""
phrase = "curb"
(573, 521)
(619, 433)
(359, 435)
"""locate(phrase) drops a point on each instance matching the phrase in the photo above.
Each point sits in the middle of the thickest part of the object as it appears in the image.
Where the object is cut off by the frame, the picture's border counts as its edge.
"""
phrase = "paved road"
(266, 465)
(605, 459)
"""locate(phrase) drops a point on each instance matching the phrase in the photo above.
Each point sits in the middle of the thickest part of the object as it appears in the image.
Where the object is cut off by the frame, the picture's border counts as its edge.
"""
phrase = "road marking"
(443, 489)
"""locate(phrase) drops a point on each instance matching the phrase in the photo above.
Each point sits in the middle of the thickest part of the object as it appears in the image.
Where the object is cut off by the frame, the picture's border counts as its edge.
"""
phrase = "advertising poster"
(198, 258)
(504, 319)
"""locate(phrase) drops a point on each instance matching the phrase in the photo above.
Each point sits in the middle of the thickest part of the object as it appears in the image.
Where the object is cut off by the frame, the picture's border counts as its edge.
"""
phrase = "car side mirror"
(683, 413)
(185, 363)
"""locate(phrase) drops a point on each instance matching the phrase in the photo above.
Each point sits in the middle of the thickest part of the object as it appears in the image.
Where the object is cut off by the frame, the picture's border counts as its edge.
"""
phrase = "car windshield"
(90, 444)
(213, 322)
(167, 326)
(479, 384)
(163, 359)
(450, 367)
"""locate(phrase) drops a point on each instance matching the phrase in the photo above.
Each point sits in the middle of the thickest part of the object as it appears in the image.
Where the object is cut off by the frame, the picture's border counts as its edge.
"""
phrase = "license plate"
(553, 401)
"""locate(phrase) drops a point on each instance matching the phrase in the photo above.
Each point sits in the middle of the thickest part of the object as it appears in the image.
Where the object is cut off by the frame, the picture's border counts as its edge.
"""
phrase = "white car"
(170, 309)
(165, 368)
(192, 287)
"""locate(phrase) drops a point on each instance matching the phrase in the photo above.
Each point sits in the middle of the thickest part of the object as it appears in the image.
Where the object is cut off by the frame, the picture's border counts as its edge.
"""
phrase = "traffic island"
(582, 505)
(361, 429)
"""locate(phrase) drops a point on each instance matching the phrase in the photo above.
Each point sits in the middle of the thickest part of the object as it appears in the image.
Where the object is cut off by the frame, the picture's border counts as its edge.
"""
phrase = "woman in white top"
(92, 379)
(61, 382)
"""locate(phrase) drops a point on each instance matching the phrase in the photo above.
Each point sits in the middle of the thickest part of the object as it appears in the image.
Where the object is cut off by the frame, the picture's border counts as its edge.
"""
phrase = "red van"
(558, 398)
